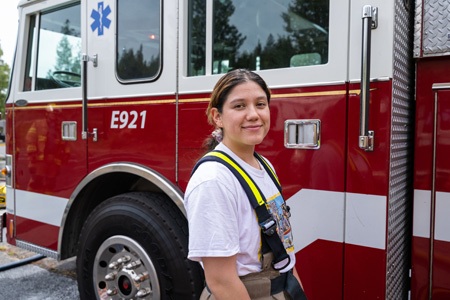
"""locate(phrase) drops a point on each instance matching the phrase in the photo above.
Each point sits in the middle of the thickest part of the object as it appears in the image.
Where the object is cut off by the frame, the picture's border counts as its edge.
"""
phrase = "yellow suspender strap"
(244, 175)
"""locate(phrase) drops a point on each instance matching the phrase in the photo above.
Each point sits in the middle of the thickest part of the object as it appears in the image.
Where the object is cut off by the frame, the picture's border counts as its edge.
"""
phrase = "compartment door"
(440, 232)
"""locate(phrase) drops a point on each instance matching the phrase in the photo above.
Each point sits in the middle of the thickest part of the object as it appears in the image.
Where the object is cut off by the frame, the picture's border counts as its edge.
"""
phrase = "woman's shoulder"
(211, 173)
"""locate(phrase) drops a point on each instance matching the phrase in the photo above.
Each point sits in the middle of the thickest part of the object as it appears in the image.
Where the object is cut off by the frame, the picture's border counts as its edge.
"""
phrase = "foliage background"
(4, 80)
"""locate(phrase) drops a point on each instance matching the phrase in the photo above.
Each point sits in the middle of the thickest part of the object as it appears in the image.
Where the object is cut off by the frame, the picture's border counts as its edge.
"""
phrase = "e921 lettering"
(125, 119)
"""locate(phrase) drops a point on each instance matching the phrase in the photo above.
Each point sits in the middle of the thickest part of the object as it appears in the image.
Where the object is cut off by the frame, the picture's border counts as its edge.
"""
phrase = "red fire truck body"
(99, 151)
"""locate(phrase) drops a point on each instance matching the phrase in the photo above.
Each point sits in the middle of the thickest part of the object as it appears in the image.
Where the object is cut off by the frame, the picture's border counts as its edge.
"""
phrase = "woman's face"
(245, 116)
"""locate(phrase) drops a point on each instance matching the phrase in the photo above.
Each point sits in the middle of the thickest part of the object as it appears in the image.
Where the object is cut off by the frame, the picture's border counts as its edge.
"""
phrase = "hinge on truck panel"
(371, 12)
(93, 59)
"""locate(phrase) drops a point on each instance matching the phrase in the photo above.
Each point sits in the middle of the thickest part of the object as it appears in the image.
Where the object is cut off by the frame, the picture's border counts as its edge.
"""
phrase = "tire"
(134, 246)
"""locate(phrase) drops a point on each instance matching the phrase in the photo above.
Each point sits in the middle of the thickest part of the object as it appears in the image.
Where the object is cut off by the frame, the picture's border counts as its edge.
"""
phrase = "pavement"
(46, 279)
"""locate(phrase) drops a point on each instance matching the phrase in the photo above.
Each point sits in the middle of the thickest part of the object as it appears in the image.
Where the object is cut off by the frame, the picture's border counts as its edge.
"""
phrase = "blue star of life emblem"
(100, 18)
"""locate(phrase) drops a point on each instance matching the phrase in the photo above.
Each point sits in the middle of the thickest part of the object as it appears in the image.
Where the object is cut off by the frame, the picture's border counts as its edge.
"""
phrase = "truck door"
(300, 49)
(44, 118)
(131, 84)
(440, 235)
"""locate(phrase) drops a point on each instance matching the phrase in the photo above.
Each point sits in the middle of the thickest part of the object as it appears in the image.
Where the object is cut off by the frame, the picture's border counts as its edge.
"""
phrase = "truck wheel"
(134, 246)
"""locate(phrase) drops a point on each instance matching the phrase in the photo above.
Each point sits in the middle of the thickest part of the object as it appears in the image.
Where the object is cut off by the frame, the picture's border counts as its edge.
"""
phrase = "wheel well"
(95, 192)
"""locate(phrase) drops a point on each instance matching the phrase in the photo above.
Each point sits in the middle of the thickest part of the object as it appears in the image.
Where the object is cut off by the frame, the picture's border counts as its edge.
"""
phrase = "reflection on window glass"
(262, 34)
(29, 63)
(58, 62)
(197, 38)
(138, 39)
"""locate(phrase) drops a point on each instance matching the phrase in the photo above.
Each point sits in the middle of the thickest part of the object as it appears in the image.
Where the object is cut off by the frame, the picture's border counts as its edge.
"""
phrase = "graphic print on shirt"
(277, 208)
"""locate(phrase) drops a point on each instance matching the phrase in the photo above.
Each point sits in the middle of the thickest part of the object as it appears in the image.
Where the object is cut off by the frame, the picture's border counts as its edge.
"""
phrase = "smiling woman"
(241, 255)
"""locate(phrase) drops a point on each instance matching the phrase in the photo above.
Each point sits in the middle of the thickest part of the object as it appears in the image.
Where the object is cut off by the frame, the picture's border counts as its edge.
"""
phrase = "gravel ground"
(46, 279)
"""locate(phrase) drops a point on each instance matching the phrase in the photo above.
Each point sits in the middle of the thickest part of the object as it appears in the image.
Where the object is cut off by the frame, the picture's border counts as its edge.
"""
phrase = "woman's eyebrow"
(243, 99)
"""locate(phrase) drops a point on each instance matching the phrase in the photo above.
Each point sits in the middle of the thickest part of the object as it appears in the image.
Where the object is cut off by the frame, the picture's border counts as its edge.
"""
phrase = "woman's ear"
(217, 117)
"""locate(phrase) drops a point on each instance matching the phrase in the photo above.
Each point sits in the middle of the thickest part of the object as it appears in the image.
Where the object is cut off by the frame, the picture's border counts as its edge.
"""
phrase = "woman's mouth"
(252, 127)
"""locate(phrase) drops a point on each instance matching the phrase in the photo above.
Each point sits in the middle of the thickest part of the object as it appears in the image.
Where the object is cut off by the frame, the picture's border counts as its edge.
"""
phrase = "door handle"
(84, 131)
(369, 21)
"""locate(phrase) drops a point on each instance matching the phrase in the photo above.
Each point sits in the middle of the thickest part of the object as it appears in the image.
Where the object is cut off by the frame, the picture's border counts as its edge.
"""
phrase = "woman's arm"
(222, 278)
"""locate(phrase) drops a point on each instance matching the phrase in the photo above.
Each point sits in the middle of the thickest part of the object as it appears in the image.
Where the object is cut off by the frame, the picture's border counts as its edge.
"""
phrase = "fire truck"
(105, 119)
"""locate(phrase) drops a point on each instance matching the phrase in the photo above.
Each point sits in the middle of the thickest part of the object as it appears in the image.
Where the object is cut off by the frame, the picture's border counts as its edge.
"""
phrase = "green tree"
(65, 60)
(227, 38)
(4, 80)
(197, 38)
(307, 23)
(133, 65)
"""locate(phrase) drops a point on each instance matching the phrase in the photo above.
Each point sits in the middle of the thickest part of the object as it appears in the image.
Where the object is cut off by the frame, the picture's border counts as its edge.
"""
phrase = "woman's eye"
(239, 106)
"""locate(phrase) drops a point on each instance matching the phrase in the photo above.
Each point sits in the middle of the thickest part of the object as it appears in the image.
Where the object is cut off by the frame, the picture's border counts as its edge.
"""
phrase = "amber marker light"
(4, 171)
(11, 228)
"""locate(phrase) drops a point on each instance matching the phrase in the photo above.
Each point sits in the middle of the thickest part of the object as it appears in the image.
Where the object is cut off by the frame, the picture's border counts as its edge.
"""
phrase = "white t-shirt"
(222, 222)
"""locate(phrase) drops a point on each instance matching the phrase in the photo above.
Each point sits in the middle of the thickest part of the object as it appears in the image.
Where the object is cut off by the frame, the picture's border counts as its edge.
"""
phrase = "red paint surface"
(152, 146)
(441, 270)
(319, 266)
(368, 172)
(420, 267)
(364, 273)
(44, 163)
(37, 233)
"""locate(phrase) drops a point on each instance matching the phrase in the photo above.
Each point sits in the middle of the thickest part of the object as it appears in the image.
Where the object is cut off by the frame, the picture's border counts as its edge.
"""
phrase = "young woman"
(224, 232)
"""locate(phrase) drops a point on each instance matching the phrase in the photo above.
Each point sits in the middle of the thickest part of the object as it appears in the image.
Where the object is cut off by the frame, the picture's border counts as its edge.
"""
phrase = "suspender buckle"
(269, 226)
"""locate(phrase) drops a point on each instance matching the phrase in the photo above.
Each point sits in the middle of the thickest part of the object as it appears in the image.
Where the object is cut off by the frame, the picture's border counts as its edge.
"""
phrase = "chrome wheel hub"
(123, 270)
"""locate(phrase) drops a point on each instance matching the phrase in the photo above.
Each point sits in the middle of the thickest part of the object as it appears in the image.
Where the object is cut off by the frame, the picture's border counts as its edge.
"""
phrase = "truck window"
(197, 37)
(138, 39)
(259, 34)
(58, 62)
(29, 63)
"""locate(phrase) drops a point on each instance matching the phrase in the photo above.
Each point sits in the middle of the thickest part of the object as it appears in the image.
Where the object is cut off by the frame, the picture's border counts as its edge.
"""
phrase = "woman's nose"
(252, 112)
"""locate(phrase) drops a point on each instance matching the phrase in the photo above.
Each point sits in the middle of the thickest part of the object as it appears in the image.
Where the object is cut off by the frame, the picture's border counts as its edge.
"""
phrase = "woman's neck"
(245, 153)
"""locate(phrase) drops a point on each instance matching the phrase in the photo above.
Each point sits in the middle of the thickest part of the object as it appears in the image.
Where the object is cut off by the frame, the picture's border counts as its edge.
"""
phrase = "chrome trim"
(324, 83)
(84, 100)
(366, 137)
(433, 196)
(378, 79)
(441, 86)
(418, 24)
(298, 144)
(69, 130)
(21, 102)
(37, 249)
(10, 169)
(173, 192)
(436, 54)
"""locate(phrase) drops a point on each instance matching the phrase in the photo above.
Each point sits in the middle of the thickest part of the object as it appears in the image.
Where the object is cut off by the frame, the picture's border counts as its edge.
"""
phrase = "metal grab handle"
(84, 131)
(366, 136)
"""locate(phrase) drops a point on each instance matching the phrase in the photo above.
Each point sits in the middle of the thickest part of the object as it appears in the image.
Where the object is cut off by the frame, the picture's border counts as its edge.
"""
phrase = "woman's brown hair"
(220, 94)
